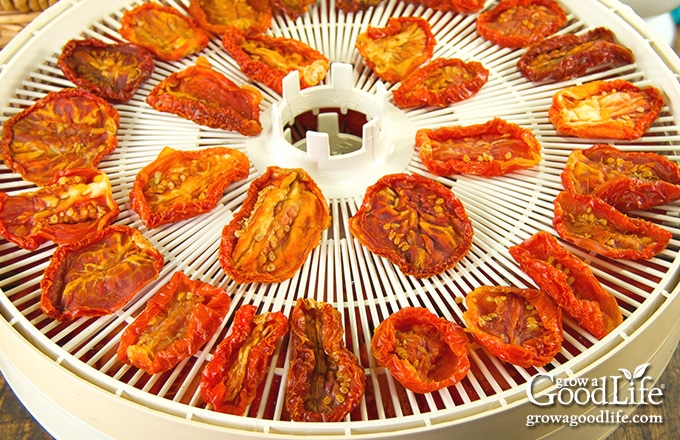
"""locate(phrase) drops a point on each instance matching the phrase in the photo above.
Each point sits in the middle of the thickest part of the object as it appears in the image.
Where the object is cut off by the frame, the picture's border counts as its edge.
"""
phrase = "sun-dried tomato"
(441, 82)
(218, 16)
(519, 23)
(112, 71)
(64, 130)
(490, 149)
(519, 326)
(230, 380)
(164, 31)
(613, 109)
(569, 56)
(98, 275)
(397, 49)
(277, 227)
(292, 8)
(207, 97)
(465, 6)
(569, 282)
(626, 180)
(76, 204)
(175, 323)
(593, 224)
(416, 223)
(325, 380)
(179, 185)
(355, 5)
(268, 59)
(422, 351)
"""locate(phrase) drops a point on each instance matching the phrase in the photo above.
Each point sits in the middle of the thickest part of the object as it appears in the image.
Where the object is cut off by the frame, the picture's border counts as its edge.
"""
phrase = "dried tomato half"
(98, 275)
(268, 59)
(397, 49)
(626, 180)
(292, 8)
(569, 56)
(183, 184)
(277, 227)
(519, 23)
(593, 224)
(112, 71)
(207, 97)
(76, 204)
(422, 351)
(175, 323)
(490, 149)
(465, 6)
(569, 282)
(519, 326)
(64, 130)
(355, 5)
(230, 380)
(164, 31)
(325, 380)
(613, 109)
(441, 82)
(218, 16)
(416, 223)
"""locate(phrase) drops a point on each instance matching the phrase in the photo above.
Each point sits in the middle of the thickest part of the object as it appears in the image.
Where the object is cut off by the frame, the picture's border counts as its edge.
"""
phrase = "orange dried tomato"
(181, 316)
(98, 275)
(218, 16)
(163, 31)
(519, 23)
(182, 184)
(397, 49)
(207, 97)
(569, 282)
(269, 59)
(76, 204)
(416, 223)
(325, 380)
(494, 148)
(278, 225)
(64, 130)
(292, 8)
(441, 82)
(519, 326)
(613, 109)
(355, 5)
(422, 351)
(593, 224)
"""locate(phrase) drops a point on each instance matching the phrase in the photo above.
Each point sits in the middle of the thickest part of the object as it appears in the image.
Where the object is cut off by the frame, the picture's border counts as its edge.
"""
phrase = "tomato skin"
(422, 351)
(230, 380)
(218, 16)
(315, 395)
(490, 149)
(569, 282)
(99, 274)
(519, 326)
(593, 224)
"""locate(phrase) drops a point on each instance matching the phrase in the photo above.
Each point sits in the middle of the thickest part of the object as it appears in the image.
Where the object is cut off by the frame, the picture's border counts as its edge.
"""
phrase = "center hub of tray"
(345, 138)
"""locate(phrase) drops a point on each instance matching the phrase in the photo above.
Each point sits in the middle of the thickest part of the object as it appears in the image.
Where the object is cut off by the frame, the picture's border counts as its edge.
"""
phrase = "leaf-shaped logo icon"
(627, 374)
(639, 371)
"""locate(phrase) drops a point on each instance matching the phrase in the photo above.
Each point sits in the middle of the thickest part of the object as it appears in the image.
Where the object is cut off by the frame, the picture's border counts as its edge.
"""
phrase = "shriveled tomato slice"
(325, 380)
(182, 184)
(292, 8)
(441, 82)
(230, 380)
(490, 149)
(626, 180)
(76, 204)
(569, 282)
(422, 351)
(207, 97)
(218, 16)
(519, 23)
(613, 109)
(174, 325)
(416, 223)
(355, 5)
(277, 227)
(64, 130)
(593, 224)
(519, 326)
(162, 30)
(397, 49)
(98, 275)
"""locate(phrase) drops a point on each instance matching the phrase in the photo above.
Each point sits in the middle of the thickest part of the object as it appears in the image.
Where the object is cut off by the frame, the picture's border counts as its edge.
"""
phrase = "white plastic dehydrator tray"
(67, 373)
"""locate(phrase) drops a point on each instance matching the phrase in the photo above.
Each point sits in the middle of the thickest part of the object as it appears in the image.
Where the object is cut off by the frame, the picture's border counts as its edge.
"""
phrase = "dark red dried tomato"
(218, 16)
